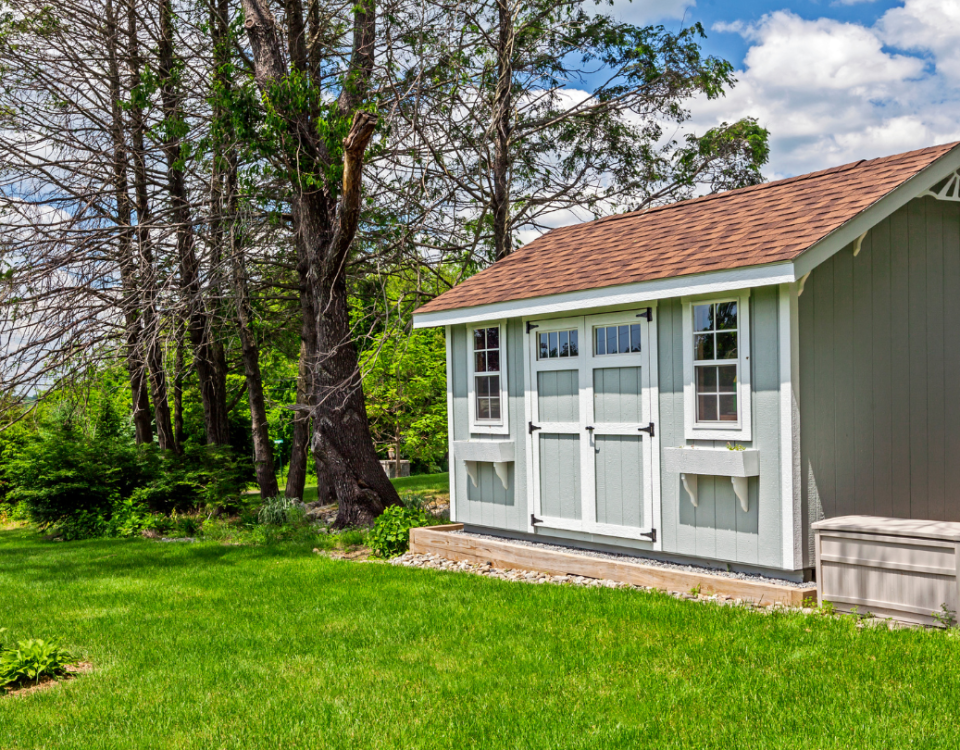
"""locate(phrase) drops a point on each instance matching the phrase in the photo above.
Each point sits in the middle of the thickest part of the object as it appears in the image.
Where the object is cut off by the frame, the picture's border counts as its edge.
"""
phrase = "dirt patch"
(355, 553)
(45, 683)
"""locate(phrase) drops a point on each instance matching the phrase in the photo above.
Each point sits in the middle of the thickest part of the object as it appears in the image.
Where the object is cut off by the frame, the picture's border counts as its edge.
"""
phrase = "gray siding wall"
(718, 528)
(879, 364)
(488, 504)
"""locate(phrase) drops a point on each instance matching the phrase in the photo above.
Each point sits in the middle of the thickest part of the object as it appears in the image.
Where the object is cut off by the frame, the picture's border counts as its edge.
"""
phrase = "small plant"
(279, 511)
(391, 533)
(30, 661)
(735, 447)
(695, 590)
(415, 501)
(945, 618)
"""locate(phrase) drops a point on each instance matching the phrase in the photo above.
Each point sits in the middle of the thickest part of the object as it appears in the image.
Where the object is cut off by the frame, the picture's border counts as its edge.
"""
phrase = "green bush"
(97, 482)
(30, 661)
(391, 532)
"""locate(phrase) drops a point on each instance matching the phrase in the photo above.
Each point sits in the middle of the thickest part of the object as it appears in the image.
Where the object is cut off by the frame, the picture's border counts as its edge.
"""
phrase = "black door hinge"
(649, 429)
(531, 326)
(534, 520)
(652, 534)
(531, 427)
(648, 314)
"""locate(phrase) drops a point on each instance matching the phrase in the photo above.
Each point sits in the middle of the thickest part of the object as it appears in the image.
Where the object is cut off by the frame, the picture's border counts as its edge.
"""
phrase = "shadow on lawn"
(97, 558)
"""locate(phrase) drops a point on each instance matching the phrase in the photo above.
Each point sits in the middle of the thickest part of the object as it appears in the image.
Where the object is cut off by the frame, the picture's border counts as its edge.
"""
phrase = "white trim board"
(623, 296)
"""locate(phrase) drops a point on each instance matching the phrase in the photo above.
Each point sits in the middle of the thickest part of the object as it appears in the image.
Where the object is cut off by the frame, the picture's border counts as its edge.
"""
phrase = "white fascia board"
(870, 217)
(614, 296)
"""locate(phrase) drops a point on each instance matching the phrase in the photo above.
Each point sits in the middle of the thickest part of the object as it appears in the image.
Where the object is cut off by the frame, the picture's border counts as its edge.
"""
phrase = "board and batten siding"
(879, 364)
(489, 504)
(718, 528)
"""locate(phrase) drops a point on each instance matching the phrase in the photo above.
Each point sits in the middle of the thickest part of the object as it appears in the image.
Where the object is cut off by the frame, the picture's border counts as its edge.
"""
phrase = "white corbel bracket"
(690, 485)
(858, 243)
(949, 192)
(471, 467)
(503, 472)
(740, 490)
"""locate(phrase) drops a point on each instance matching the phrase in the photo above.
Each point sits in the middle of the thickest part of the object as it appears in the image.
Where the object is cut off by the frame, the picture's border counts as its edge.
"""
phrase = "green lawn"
(211, 646)
(427, 484)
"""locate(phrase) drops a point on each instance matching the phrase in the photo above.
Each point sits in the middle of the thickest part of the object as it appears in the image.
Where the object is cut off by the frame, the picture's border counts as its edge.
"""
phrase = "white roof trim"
(614, 296)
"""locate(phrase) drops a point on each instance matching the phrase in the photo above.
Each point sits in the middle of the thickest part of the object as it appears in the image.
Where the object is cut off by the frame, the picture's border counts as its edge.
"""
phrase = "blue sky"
(835, 80)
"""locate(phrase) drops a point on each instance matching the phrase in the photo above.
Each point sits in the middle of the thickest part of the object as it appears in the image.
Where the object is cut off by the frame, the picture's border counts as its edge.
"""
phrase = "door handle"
(649, 429)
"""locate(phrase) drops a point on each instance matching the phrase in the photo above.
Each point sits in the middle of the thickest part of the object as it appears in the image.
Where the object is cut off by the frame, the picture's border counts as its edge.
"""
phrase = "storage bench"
(901, 568)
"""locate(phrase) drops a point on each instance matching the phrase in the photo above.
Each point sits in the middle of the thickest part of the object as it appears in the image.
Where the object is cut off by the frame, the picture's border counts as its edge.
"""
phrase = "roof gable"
(774, 222)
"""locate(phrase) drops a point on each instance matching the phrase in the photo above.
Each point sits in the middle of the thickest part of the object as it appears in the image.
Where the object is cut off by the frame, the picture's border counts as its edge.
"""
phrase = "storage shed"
(702, 381)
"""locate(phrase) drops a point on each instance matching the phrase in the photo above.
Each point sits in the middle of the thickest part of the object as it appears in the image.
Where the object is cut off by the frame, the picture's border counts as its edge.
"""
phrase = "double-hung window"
(487, 379)
(717, 369)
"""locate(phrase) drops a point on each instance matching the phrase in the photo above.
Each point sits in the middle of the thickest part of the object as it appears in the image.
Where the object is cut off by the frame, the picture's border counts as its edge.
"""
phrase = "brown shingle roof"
(768, 223)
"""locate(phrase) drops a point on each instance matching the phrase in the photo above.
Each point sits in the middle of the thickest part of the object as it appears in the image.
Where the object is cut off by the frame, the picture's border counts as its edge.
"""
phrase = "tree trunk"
(179, 370)
(502, 111)
(300, 443)
(139, 398)
(148, 271)
(341, 433)
(208, 358)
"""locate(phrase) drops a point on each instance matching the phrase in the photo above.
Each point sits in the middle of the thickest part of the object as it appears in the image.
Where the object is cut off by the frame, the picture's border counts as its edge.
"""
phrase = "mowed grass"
(209, 646)
(425, 484)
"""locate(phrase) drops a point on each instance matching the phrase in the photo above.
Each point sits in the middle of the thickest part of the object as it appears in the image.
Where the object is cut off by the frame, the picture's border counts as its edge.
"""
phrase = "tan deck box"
(901, 568)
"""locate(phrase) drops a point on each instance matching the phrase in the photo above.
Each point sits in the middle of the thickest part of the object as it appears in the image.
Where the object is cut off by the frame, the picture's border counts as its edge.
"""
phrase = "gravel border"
(615, 557)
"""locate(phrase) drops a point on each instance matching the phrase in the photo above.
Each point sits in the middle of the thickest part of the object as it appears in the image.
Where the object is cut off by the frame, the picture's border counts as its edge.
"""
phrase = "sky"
(834, 81)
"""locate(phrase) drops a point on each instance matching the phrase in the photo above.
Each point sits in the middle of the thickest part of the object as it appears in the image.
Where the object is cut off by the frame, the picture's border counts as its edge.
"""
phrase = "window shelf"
(690, 463)
(498, 452)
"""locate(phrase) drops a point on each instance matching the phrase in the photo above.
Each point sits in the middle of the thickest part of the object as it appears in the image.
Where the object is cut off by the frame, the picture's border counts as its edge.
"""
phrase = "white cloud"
(832, 92)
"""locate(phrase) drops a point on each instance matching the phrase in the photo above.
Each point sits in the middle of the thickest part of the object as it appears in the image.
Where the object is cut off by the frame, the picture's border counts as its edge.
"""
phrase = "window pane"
(703, 346)
(493, 361)
(635, 337)
(612, 340)
(703, 317)
(494, 385)
(493, 338)
(707, 408)
(726, 315)
(601, 341)
(483, 408)
(564, 344)
(706, 379)
(728, 408)
(553, 344)
(480, 362)
(479, 339)
(574, 347)
(728, 378)
(726, 346)
(495, 408)
(483, 386)
(623, 334)
(544, 346)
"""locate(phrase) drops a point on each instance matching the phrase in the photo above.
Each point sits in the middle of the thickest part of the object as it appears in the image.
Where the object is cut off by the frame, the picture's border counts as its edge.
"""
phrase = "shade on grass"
(432, 484)
(207, 646)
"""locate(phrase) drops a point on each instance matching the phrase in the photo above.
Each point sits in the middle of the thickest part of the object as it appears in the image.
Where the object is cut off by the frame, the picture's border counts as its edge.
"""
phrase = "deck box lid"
(906, 527)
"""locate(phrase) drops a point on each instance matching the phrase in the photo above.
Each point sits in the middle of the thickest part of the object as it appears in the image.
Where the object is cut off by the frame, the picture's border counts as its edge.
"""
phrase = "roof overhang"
(706, 283)
(614, 296)
(897, 198)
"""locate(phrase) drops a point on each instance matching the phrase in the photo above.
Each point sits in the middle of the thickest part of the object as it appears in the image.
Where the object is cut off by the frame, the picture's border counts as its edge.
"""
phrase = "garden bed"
(451, 542)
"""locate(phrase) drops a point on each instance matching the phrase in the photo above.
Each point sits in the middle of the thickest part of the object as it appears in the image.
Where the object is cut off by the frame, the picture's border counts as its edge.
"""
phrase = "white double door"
(592, 433)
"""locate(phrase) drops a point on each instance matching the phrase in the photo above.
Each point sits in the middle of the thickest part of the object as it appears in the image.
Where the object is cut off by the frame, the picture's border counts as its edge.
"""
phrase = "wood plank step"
(438, 540)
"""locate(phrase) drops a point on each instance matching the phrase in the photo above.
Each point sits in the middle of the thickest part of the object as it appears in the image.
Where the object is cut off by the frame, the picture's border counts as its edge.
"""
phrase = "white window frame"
(742, 429)
(488, 426)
